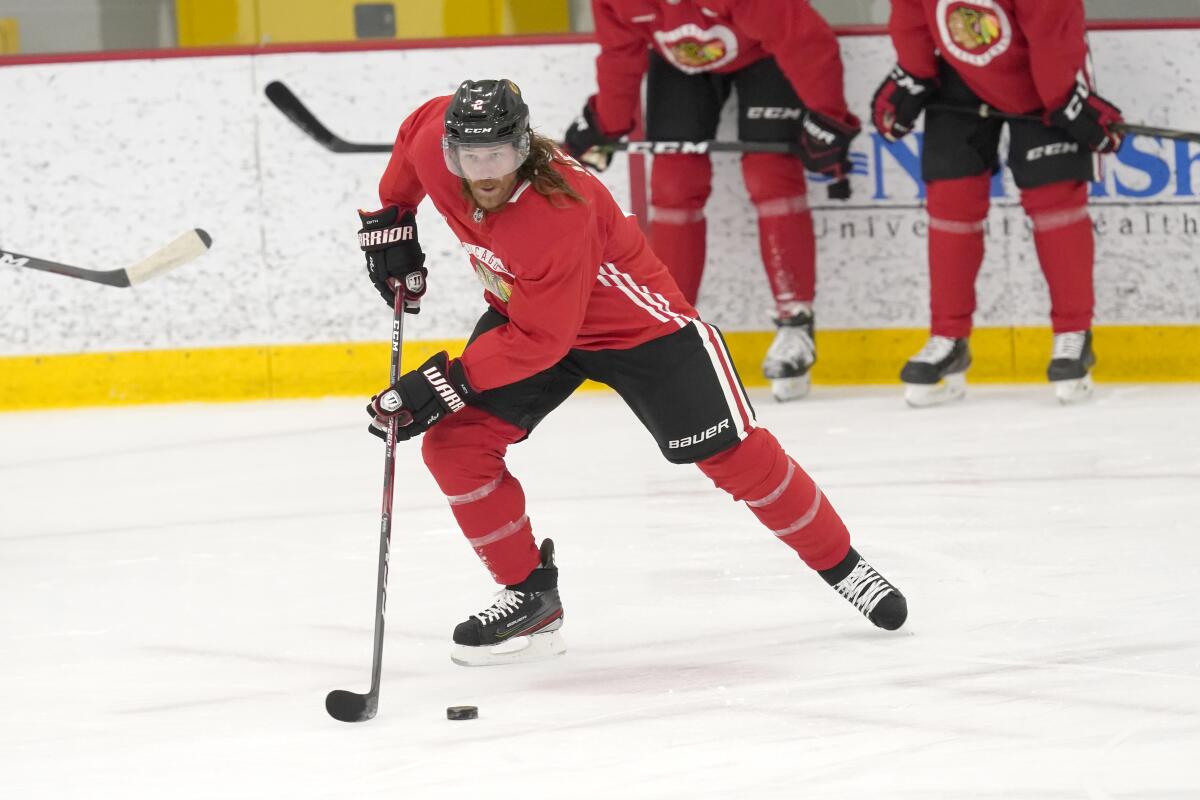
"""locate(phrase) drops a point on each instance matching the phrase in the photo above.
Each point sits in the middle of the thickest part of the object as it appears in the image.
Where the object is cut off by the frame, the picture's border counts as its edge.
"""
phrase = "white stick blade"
(187, 247)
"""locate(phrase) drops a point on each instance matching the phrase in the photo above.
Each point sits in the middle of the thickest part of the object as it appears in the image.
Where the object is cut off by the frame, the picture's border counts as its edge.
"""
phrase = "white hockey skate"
(791, 355)
(938, 373)
(522, 625)
(1070, 370)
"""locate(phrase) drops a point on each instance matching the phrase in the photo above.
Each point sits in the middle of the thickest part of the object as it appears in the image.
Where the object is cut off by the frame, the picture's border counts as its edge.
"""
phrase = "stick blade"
(347, 706)
(294, 109)
(187, 247)
(291, 107)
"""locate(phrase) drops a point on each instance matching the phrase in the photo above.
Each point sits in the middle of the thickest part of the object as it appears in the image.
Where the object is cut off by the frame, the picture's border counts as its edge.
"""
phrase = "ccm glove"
(898, 102)
(1090, 119)
(420, 398)
(586, 142)
(389, 239)
(824, 148)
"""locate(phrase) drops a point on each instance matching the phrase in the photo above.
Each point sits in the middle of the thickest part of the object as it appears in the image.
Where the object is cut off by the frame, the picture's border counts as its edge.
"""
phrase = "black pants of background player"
(687, 107)
(959, 157)
(684, 390)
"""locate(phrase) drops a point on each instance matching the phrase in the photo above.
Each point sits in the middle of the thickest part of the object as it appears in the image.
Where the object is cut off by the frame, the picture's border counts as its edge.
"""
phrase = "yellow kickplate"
(848, 357)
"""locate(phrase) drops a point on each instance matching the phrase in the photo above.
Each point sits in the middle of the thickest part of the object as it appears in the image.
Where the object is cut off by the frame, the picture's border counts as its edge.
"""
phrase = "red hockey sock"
(777, 188)
(679, 188)
(1066, 248)
(465, 455)
(782, 496)
(957, 210)
(677, 237)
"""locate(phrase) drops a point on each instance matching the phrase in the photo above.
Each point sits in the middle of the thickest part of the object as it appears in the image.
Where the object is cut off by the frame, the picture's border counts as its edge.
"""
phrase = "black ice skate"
(868, 591)
(791, 354)
(938, 373)
(522, 625)
(1070, 369)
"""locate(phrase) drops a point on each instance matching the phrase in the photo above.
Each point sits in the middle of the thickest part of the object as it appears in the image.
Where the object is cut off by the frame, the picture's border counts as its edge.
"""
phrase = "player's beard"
(492, 193)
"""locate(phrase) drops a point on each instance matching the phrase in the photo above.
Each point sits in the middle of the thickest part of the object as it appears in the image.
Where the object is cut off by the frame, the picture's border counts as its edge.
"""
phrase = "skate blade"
(1074, 391)
(785, 389)
(949, 388)
(521, 650)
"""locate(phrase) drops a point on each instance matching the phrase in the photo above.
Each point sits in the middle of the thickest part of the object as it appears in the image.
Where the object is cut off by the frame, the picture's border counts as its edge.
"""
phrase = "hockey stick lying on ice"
(341, 704)
(985, 111)
(286, 101)
(191, 245)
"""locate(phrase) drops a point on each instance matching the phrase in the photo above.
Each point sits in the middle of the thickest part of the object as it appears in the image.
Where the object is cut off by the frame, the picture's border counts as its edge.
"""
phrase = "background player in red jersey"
(573, 292)
(1021, 57)
(783, 59)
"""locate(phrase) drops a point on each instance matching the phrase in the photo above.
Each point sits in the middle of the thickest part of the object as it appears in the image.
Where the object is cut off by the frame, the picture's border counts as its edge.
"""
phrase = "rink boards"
(103, 161)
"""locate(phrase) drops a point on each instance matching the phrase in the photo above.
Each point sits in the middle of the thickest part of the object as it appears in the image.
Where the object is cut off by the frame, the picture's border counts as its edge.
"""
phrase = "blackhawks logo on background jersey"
(973, 31)
(972, 28)
(694, 49)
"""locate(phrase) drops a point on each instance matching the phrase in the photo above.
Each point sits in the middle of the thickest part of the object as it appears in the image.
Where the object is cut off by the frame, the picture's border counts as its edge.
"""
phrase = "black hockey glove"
(825, 149)
(421, 397)
(898, 102)
(1090, 119)
(389, 239)
(584, 141)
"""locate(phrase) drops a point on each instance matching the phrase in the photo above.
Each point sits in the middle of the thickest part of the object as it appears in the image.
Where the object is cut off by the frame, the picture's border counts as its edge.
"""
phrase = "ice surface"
(181, 585)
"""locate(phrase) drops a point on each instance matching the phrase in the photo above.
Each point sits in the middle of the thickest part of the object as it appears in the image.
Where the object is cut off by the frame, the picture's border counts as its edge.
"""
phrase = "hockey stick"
(984, 111)
(294, 109)
(351, 706)
(190, 245)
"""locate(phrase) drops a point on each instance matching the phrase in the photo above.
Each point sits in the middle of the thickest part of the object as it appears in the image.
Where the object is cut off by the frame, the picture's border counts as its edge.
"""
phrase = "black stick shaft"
(303, 118)
(385, 516)
(116, 277)
(987, 112)
(389, 480)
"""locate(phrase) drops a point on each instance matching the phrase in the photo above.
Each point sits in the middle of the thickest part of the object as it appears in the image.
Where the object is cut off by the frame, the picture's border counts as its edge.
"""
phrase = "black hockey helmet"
(486, 129)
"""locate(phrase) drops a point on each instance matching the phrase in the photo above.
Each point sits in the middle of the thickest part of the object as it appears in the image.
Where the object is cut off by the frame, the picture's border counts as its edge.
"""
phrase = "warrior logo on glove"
(414, 283)
(433, 374)
(420, 398)
(389, 241)
(390, 400)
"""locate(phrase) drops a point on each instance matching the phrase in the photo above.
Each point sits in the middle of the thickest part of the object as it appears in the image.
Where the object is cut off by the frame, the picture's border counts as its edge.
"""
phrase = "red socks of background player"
(1062, 234)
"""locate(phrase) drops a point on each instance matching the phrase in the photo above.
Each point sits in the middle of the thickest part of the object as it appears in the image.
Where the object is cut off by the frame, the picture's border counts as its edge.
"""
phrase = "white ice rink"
(181, 585)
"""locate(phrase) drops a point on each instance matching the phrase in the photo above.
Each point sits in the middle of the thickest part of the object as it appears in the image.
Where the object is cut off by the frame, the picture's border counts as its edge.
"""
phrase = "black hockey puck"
(462, 712)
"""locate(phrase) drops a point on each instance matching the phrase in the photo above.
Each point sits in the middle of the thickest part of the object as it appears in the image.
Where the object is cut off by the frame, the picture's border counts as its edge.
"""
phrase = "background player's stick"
(286, 101)
(352, 706)
(190, 245)
(985, 111)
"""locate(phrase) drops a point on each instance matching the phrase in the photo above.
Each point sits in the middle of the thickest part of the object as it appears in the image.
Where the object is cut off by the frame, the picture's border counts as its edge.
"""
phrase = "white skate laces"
(507, 601)
(1069, 345)
(935, 350)
(863, 587)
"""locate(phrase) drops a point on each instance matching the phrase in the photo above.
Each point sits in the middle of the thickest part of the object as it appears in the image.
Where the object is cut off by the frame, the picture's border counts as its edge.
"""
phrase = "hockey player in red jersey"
(1020, 57)
(783, 59)
(572, 292)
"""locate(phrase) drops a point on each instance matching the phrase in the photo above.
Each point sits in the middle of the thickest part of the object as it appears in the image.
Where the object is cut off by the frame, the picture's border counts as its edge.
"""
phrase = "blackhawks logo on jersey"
(490, 270)
(973, 31)
(694, 49)
(491, 281)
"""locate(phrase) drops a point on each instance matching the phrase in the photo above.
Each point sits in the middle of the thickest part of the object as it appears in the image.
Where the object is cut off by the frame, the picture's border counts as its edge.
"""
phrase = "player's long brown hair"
(546, 180)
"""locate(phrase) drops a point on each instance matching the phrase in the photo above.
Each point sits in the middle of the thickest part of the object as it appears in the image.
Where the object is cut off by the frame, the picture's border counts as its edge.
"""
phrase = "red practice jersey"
(1017, 55)
(571, 275)
(712, 36)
